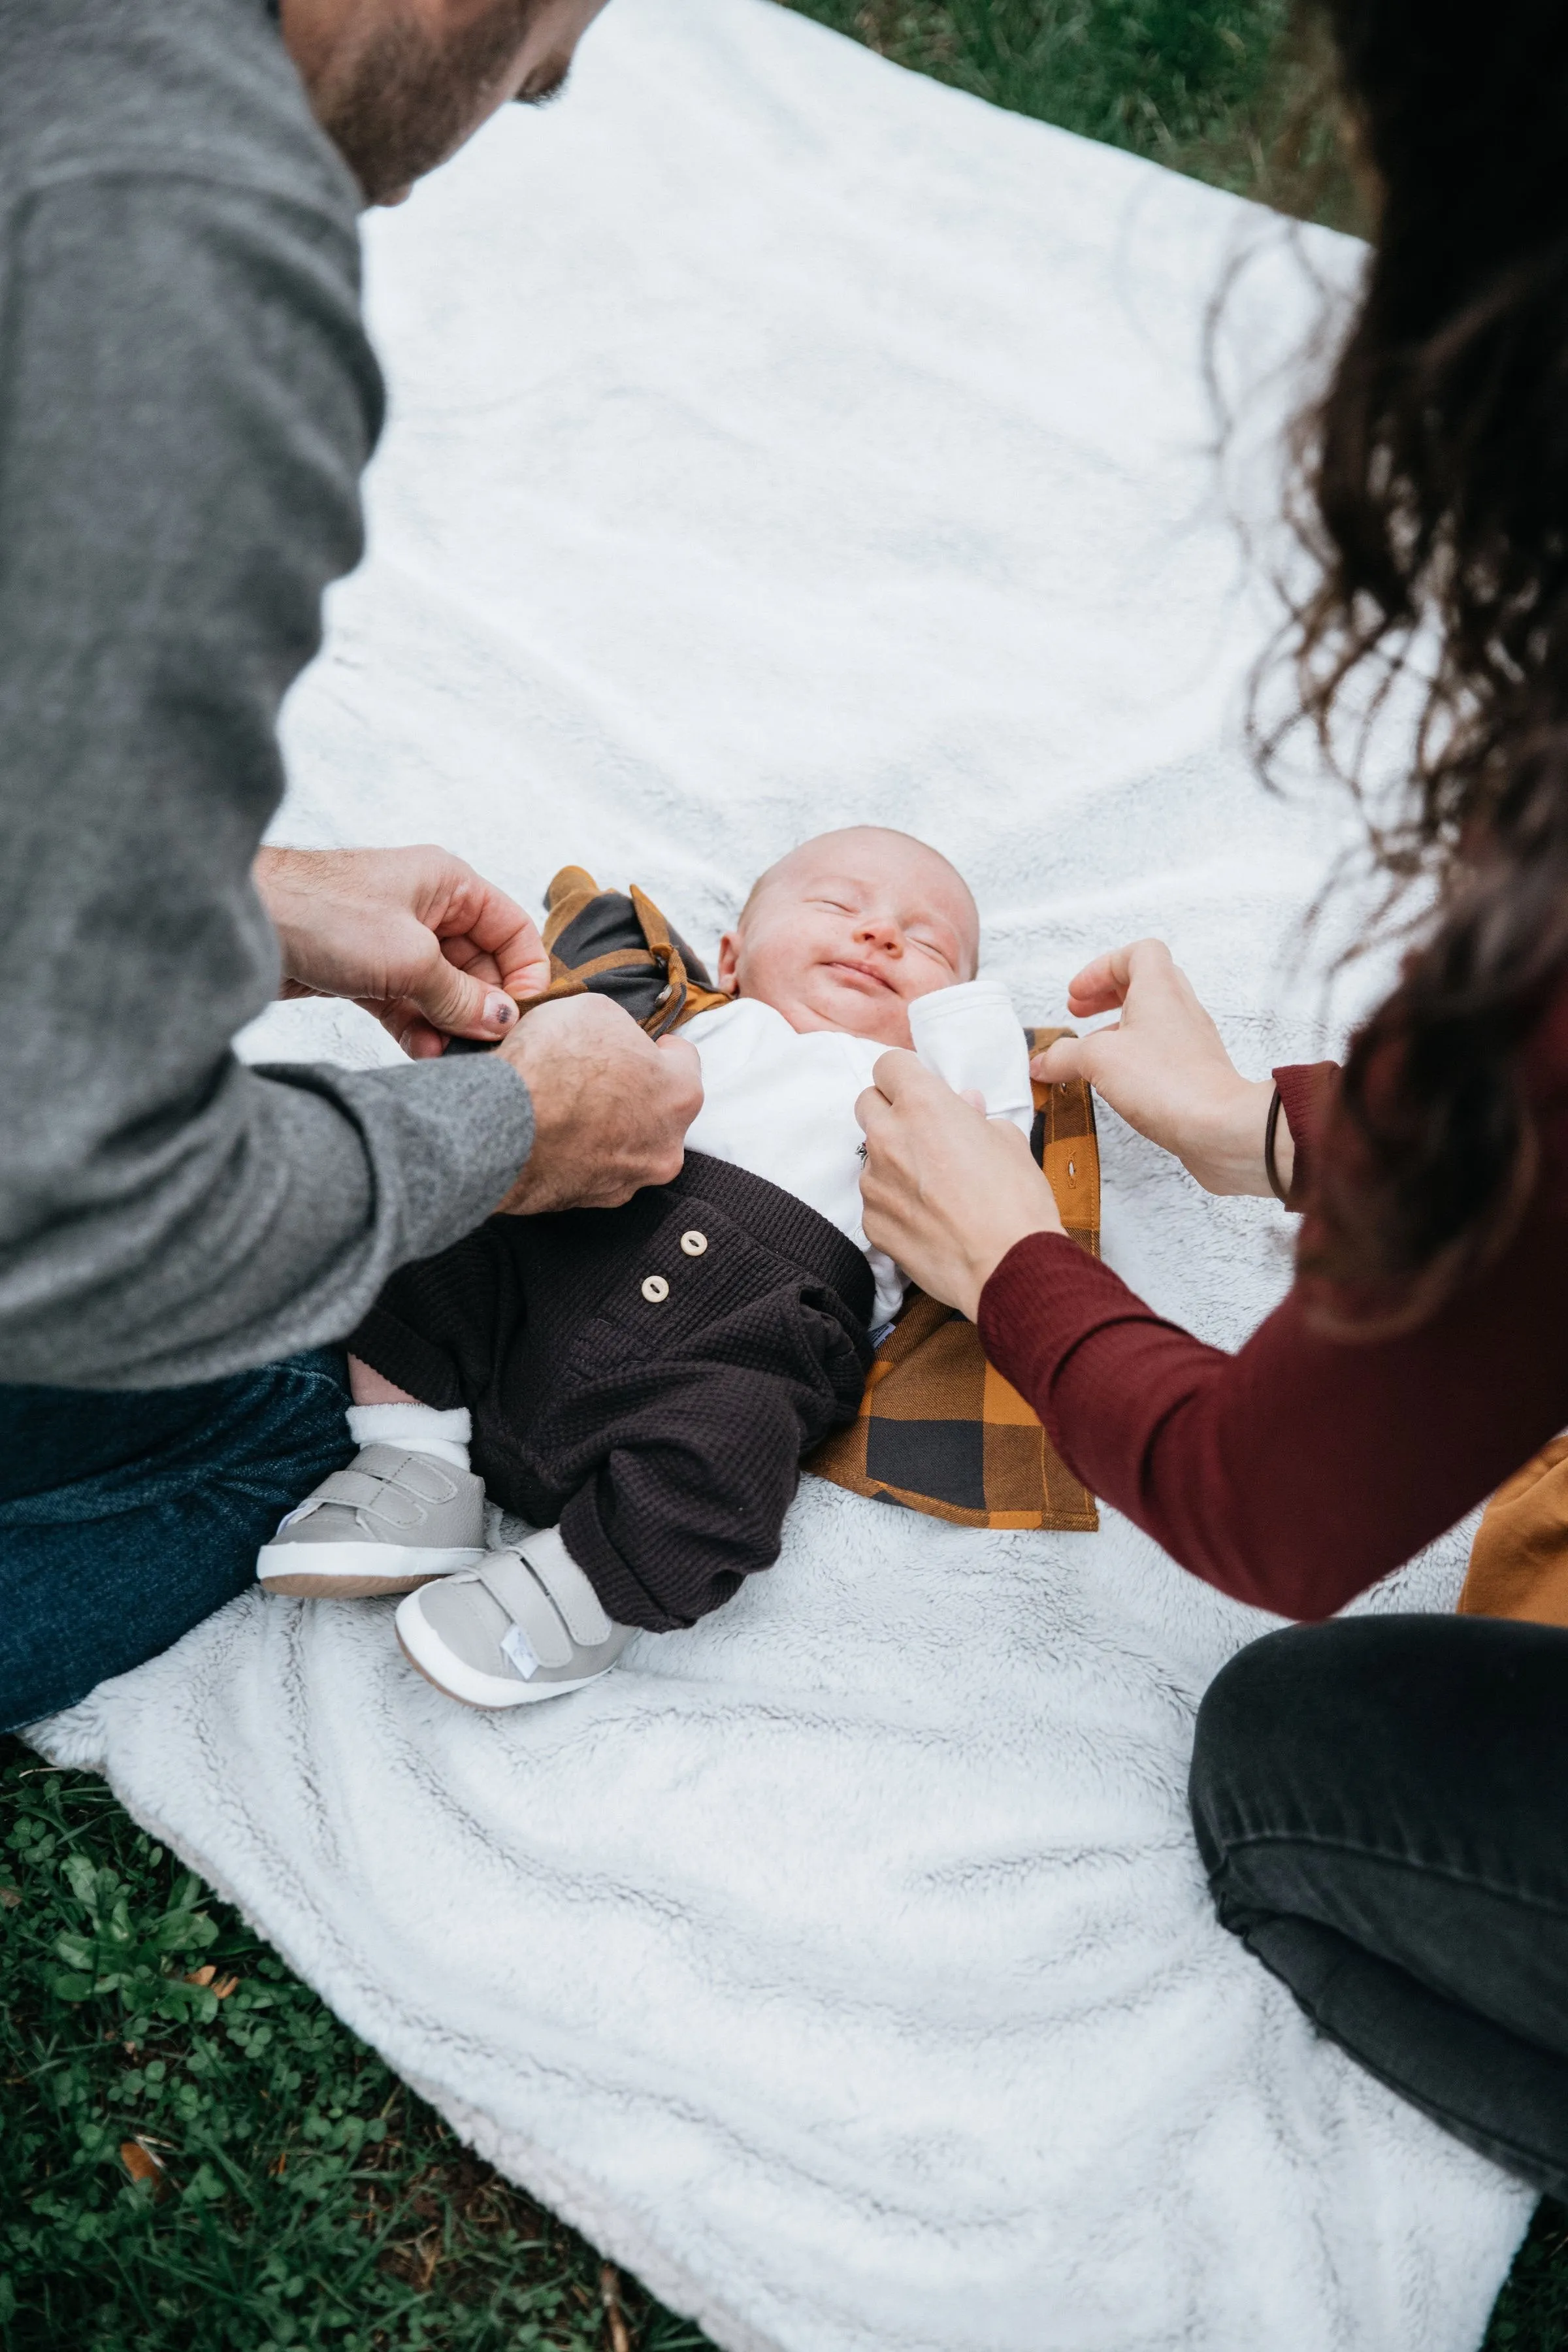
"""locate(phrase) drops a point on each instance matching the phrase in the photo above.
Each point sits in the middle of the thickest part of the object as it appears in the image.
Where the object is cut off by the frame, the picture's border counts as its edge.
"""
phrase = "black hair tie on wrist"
(1269, 1133)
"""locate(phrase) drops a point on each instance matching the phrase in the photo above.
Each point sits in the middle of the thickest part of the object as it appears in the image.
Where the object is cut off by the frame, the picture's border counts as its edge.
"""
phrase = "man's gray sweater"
(186, 401)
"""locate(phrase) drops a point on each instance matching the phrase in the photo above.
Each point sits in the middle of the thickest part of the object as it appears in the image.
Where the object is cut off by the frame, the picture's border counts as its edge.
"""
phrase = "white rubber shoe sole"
(357, 1572)
(524, 1627)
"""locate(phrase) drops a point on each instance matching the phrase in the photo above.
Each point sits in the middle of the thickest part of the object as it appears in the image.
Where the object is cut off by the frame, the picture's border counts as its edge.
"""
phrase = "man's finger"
(503, 930)
(402, 1019)
(521, 983)
(457, 1003)
(684, 1053)
(470, 957)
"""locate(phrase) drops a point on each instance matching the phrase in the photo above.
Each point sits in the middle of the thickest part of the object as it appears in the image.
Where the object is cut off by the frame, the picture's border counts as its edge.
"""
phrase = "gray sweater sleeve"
(186, 399)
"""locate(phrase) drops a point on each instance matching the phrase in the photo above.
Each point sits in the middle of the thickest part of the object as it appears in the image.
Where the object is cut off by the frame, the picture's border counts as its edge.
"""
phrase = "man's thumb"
(461, 1005)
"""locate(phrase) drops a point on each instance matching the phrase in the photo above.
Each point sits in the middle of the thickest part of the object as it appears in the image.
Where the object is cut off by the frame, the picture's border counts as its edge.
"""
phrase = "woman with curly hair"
(1379, 1801)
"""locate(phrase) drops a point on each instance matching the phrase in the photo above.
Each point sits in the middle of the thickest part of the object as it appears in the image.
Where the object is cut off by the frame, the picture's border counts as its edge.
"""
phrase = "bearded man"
(187, 401)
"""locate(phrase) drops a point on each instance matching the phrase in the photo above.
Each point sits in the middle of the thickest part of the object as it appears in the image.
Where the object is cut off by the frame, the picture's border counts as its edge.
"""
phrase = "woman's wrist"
(1225, 1152)
(989, 1249)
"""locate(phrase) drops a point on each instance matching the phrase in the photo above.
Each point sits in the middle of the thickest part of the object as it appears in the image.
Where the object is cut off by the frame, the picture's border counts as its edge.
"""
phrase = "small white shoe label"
(517, 1648)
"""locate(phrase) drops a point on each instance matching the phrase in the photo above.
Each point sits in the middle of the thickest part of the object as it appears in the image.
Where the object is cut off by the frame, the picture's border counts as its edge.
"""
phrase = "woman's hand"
(947, 1191)
(414, 936)
(1164, 1068)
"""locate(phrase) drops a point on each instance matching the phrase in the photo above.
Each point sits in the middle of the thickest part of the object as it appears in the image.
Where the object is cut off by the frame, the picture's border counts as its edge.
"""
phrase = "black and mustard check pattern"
(939, 1428)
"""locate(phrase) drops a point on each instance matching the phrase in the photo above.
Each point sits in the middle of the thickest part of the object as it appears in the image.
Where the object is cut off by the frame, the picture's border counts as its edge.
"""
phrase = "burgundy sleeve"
(1300, 1470)
(1304, 1091)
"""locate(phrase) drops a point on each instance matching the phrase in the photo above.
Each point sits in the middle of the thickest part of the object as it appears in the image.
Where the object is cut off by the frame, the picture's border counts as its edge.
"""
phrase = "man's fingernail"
(500, 1011)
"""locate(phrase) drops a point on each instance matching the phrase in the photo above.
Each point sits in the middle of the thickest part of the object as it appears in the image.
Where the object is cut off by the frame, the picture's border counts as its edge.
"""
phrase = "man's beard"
(409, 101)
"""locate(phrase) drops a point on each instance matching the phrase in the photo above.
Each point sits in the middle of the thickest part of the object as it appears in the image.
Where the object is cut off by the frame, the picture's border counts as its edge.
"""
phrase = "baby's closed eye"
(935, 947)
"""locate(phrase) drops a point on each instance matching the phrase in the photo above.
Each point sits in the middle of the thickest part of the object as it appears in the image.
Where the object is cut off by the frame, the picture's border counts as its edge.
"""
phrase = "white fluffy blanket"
(780, 439)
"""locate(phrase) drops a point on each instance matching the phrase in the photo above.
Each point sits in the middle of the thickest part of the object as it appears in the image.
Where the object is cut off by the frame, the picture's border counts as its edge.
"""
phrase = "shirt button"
(656, 1290)
(694, 1244)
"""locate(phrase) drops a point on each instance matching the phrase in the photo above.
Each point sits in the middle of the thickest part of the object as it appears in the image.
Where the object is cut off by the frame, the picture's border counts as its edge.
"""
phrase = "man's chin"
(410, 100)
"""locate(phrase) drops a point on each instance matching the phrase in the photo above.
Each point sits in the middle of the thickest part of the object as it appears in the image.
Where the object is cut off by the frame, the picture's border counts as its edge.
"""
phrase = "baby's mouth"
(862, 971)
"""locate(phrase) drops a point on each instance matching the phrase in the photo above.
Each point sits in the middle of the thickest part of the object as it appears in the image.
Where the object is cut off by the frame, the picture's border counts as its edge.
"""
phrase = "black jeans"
(1382, 1807)
(126, 1517)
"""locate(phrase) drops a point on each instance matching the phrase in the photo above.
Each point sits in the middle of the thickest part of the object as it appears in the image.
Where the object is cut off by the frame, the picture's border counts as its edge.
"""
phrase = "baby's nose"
(884, 935)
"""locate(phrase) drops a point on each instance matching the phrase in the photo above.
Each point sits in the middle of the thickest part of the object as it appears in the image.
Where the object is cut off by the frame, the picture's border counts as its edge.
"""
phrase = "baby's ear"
(728, 974)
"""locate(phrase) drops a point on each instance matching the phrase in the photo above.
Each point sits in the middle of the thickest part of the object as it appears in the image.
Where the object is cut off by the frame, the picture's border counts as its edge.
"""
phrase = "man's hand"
(947, 1191)
(1165, 1068)
(414, 936)
(611, 1108)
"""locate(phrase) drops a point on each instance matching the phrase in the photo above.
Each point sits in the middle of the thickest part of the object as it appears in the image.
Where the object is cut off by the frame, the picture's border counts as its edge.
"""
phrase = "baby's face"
(848, 929)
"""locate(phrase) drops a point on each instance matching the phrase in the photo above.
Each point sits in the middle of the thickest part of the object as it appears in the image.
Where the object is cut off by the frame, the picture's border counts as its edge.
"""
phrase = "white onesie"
(781, 1101)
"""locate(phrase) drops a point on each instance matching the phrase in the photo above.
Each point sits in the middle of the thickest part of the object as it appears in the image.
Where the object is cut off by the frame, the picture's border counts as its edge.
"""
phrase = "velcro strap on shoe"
(388, 1486)
(432, 1480)
(373, 1494)
(568, 1588)
(423, 1475)
(507, 1580)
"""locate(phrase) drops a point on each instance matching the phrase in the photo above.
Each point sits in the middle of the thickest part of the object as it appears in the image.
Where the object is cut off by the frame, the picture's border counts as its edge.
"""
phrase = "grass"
(1220, 88)
(1531, 2313)
(197, 2155)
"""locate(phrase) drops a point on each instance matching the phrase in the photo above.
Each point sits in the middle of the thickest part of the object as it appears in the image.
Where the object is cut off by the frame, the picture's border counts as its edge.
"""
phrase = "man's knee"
(102, 1569)
(275, 1426)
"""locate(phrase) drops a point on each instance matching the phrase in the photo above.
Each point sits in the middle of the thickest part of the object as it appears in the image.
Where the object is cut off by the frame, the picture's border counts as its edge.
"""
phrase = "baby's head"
(850, 928)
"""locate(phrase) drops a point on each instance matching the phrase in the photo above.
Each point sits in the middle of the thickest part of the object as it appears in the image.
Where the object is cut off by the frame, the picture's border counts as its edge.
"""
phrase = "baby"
(641, 1383)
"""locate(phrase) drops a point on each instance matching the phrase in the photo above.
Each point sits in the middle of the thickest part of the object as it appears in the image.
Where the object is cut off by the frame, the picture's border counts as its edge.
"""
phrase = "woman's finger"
(1065, 1059)
(1106, 983)
(946, 1192)
(1100, 986)
(901, 1077)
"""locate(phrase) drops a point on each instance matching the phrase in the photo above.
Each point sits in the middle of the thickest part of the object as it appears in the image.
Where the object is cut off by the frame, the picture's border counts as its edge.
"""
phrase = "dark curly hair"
(1432, 494)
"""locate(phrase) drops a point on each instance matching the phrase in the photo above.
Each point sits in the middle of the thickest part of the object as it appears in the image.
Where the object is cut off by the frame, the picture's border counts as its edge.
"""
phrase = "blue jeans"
(128, 1516)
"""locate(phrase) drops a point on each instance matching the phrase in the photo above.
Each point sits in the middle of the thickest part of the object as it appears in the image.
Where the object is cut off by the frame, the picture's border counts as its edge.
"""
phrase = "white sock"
(419, 1428)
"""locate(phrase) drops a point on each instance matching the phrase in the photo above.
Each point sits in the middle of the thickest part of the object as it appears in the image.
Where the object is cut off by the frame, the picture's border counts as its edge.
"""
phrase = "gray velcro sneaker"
(389, 1522)
(524, 1625)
